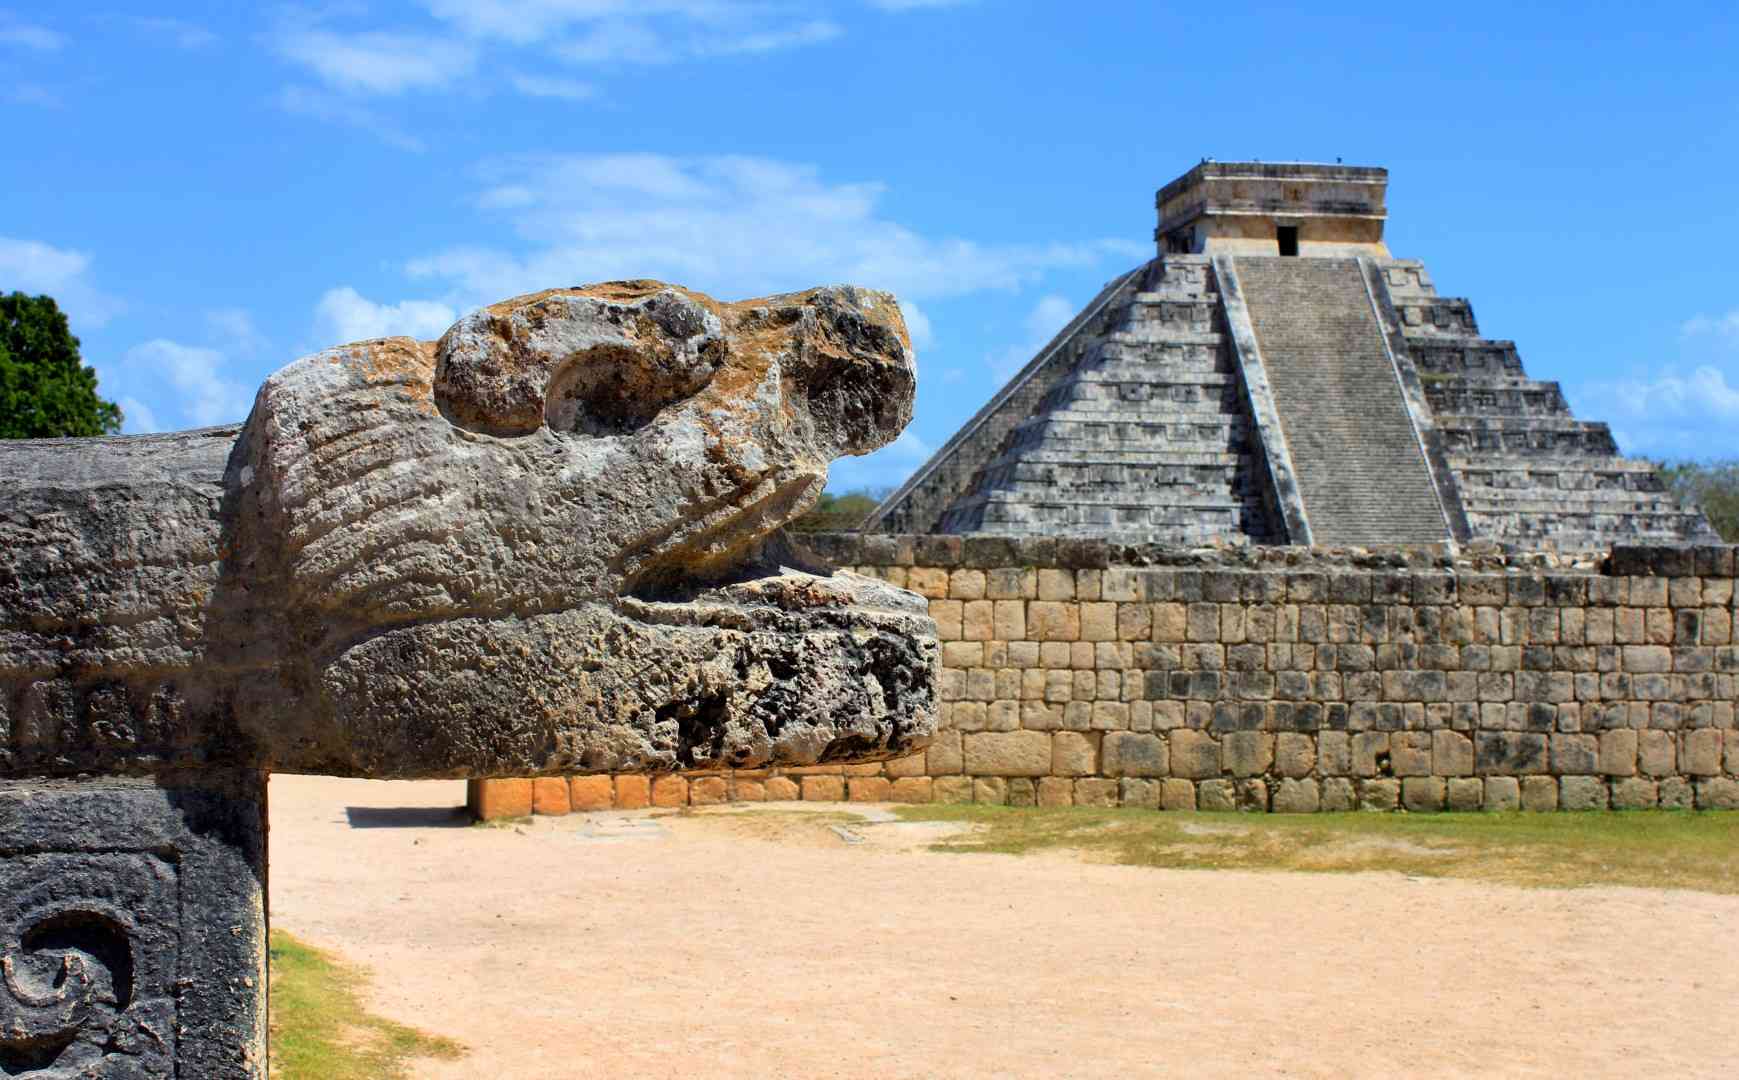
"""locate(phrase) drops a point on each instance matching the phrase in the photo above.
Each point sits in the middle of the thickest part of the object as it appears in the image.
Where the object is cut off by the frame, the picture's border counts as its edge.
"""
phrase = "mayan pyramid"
(1274, 376)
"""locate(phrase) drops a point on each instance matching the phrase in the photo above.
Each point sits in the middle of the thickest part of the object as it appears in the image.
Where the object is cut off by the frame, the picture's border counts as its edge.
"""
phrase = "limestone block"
(952, 789)
(1503, 793)
(1539, 793)
(990, 791)
(1465, 792)
(1676, 793)
(819, 789)
(1295, 796)
(911, 789)
(868, 789)
(1451, 754)
(1334, 754)
(1177, 795)
(743, 790)
(633, 792)
(549, 795)
(1095, 792)
(1051, 621)
(1056, 585)
(1022, 792)
(1294, 755)
(1011, 583)
(1339, 795)
(1582, 793)
(1216, 796)
(944, 756)
(1370, 754)
(708, 791)
(1247, 753)
(1422, 793)
(1007, 753)
(1195, 755)
(928, 582)
(1657, 753)
(1055, 791)
(1074, 754)
(1379, 794)
(977, 620)
(591, 793)
(1510, 753)
(1410, 753)
(1098, 621)
(902, 767)
(1618, 752)
(493, 800)
(1251, 794)
(1575, 755)
(1143, 794)
(1127, 753)
(1719, 793)
(964, 585)
(669, 791)
(1008, 623)
(1170, 623)
(1634, 793)
(1700, 752)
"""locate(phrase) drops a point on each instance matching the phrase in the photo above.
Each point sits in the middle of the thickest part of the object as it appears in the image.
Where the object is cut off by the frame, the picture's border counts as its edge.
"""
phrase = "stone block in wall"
(1382, 794)
(1370, 754)
(1176, 794)
(633, 792)
(1676, 793)
(1251, 794)
(1657, 753)
(903, 767)
(1334, 753)
(1247, 753)
(494, 800)
(1618, 753)
(1422, 793)
(1451, 754)
(1053, 621)
(549, 796)
(748, 790)
(1574, 755)
(1297, 796)
(1007, 753)
(1127, 753)
(1503, 793)
(928, 581)
(1581, 793)
(868, 789)
(1410, 753)
(591, 793)
(1022, 792)
(1055, 791)
(708, 791)
(1074, 754)
(1143, 794)
(1510, 753)
(669, 791)
(952, 789)
(944, 756)
(966, 585)
(823, 788)
(1338, 795)
(1216, 795)
(1700, 752)
(990, 791)
(1095, 791)
(1465, 792)
(1634, 793)
(1011, 583)
(1294, 754)
(1195, 755)
(781, 789)
(1056, 585)
(1539, 793)
(1717, 793)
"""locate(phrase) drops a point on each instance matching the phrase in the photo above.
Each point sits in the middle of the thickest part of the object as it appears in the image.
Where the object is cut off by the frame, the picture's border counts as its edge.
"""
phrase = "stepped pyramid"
(1274, 376)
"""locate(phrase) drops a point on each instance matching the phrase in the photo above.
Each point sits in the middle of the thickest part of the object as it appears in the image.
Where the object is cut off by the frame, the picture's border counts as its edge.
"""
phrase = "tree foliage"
(839, 513)
(1713, 485)
(45, 389)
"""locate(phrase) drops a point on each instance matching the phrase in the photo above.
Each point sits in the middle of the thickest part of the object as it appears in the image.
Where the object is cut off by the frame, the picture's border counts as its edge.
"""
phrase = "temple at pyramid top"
(1275, 376)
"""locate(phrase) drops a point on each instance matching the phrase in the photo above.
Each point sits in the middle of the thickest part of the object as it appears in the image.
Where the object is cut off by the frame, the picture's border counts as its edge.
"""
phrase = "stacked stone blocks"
(1077, 672)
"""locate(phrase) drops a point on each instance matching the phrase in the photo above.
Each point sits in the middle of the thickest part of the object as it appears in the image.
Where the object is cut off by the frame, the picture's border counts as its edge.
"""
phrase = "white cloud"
(917, 325)
(1726, 326)
(15, 31)
(737, 226)
(34, 267)
(1049, 315)
(563, 89)
(813, 32)
(915, 5)
(344, 315)
(377, 61)
(137, 417)
(318, 105)
(235, 327)
(523, 22)
(1671, 412)
(206, 396)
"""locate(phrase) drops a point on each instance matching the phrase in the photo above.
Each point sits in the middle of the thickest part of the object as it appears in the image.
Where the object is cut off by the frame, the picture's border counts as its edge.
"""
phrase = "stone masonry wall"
(1285, 679)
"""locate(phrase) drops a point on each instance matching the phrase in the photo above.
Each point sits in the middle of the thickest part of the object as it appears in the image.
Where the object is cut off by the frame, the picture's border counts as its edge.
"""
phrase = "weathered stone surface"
(133, 927)
(1128, 753)
(1502, 793)
(547, 543)
(1008, 753)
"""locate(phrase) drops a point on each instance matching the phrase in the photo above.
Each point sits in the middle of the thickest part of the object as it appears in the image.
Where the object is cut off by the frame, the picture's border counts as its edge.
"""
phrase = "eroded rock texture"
(547, 542)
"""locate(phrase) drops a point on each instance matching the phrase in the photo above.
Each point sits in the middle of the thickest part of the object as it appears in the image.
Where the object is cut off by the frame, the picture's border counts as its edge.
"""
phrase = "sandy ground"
(719, 946)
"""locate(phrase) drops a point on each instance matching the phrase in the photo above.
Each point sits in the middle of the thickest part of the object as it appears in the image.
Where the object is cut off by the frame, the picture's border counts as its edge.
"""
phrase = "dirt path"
(623, 945)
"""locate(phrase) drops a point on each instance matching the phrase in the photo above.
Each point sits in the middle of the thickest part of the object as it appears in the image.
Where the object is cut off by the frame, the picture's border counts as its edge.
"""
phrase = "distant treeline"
(840, 513)
(1713, 485)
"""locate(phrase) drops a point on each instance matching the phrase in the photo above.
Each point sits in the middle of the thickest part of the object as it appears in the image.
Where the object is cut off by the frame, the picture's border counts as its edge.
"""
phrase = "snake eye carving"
(599, 362)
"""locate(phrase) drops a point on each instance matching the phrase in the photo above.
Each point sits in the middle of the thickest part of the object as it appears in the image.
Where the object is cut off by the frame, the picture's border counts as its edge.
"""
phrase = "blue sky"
(212, 190)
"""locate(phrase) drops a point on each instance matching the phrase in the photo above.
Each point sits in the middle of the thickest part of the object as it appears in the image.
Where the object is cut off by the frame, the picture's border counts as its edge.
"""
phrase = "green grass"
(320, 1030)
(1661, 849)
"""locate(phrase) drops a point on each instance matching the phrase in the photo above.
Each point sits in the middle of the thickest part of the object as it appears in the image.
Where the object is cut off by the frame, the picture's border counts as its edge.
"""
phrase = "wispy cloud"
(1671, 412)
(1723, 326)
(34, 267)
(206, 393)
(376, 61)
(733, 225)
(916, 5)
(26, 35)
(320, 105)
(546, 87)
(344, 315)
(1049, 315)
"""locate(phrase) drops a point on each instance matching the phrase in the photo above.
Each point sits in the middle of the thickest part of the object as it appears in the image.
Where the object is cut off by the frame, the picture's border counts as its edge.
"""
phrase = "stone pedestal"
(133, 928)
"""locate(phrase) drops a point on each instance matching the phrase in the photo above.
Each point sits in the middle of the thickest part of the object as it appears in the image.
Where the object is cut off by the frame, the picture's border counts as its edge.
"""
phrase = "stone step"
(1436, 316)
(1455, 396)
(1531, 436)
(1467, 357)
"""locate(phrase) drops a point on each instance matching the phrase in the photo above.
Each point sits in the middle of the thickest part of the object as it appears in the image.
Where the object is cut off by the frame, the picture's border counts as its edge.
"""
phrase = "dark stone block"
(838, 549)
(1081, 554)
(133, 922)
(989, 552)
(1714, 560)
(937, 550)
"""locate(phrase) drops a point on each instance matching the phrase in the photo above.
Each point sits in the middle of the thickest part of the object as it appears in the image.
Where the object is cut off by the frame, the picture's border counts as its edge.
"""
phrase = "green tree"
(1713, 485)
(45, 389)
(839, 513)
